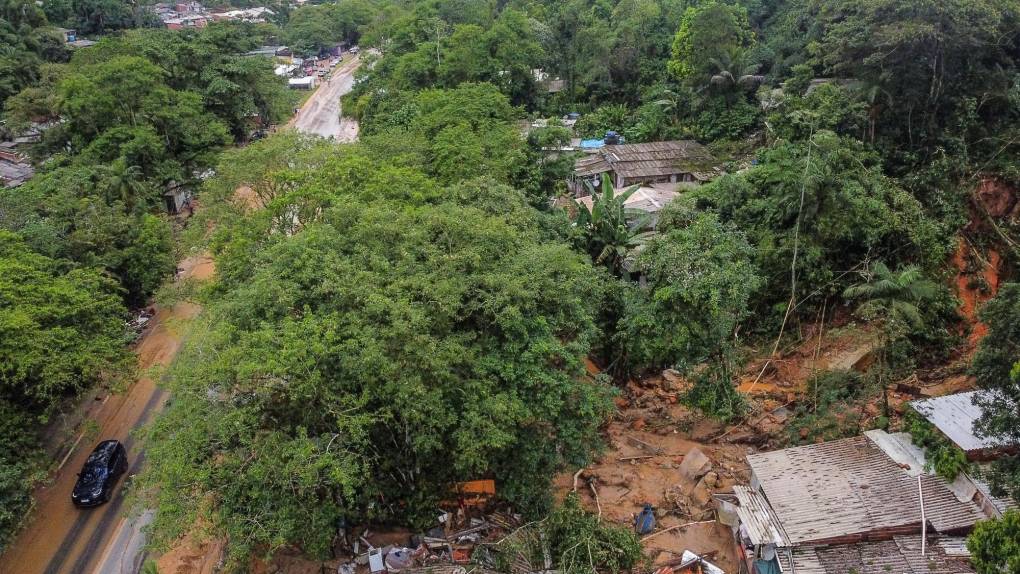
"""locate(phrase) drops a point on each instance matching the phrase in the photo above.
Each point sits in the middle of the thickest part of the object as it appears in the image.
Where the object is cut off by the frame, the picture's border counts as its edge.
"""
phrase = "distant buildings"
(183, 15)
(72, 40)
(15, 168)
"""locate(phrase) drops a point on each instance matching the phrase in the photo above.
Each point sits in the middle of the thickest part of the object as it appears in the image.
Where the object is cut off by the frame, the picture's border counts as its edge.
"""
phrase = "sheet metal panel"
(955, 415)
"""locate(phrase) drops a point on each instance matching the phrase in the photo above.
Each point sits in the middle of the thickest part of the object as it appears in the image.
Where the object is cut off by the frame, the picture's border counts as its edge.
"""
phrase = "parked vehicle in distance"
(99, 474)
(354, 50)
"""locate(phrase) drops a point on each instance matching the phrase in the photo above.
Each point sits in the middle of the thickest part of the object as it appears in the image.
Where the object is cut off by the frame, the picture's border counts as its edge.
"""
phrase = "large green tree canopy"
(374, 338)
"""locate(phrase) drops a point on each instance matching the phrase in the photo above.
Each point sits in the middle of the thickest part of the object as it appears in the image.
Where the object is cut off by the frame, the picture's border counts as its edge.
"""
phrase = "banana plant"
(613, 233)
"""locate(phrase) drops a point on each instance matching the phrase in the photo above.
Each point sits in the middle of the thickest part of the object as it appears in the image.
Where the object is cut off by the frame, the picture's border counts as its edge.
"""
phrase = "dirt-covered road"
(321, 113)
(59, 538)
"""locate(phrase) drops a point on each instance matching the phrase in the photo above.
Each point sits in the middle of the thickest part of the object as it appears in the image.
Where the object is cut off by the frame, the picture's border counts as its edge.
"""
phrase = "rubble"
(695, 464)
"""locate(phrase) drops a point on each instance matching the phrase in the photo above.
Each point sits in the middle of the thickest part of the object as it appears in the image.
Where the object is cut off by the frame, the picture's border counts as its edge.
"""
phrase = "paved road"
(59, 538)
(321, 113)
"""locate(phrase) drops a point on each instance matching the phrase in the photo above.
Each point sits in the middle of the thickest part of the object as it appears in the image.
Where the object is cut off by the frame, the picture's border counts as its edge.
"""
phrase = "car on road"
(99, 474)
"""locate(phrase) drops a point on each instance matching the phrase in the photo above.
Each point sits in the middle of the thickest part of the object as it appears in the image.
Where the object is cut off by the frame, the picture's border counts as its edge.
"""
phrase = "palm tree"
(893, 299)
(613, 232)
(733, 75)
(123, 182)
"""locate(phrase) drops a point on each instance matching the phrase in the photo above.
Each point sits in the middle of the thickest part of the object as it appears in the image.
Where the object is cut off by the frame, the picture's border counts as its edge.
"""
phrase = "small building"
(68, 34)
(177, 198)
(680, 162)
(857, 504)
(650, 199)
(15, 167)
(284, 70)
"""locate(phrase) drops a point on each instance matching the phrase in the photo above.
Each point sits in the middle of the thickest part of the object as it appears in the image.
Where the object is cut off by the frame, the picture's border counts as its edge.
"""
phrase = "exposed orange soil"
(191, 556)
(652, 426)
(831, 349)
(974, 288)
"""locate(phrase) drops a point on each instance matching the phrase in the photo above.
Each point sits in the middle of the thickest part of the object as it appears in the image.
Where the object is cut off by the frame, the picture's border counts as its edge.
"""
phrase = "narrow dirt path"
(60, 538)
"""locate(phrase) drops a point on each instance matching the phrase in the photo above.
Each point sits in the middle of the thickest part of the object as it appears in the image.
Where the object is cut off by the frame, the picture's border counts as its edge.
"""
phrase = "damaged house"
(863, 504)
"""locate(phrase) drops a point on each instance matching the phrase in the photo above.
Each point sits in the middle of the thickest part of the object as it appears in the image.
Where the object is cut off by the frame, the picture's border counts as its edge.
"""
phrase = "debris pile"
(465, 531)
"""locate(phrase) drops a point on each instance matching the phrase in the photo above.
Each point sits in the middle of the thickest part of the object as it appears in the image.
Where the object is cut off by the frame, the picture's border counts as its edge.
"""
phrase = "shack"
(681, 161)
(955, 415)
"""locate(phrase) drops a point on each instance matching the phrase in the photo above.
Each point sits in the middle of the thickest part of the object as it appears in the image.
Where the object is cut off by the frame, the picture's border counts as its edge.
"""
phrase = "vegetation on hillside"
(393, 316)
(88, 236)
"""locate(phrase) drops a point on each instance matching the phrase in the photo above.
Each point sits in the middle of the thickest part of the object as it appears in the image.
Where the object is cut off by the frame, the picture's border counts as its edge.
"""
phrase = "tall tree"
(995, 367)
(893, 298)
(708, 31)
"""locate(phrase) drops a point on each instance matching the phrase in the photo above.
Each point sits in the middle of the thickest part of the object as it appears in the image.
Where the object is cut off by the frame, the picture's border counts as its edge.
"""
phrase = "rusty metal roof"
(955, 415)
(900, 555)
(846, 488)
(653, 159)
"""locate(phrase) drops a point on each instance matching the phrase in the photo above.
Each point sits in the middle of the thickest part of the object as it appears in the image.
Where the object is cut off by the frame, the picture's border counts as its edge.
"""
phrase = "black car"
(99, 474)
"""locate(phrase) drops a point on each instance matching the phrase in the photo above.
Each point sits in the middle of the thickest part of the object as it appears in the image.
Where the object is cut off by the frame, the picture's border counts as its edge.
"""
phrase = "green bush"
(941, 455)
(833, 407)
(722, 120)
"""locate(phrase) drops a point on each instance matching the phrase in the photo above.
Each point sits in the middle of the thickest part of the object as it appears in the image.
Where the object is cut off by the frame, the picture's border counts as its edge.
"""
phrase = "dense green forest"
(392, 316)
(448, 306)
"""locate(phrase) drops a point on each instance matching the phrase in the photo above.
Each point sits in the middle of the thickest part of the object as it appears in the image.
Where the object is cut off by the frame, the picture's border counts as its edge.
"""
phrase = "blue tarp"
(592, 144)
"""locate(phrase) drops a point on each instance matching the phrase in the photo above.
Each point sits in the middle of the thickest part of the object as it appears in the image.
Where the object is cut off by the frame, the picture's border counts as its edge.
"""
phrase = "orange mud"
(654, 427)
(190, 556)
(974, 288)
(786, 376)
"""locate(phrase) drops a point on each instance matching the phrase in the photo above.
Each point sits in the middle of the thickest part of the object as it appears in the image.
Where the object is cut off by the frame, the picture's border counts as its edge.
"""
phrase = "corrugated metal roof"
(900, 448)
(900, 555)
(955, 415)
(838, 489)
(763, 527)
(647, 159)
(954, 546)
(1001, 503)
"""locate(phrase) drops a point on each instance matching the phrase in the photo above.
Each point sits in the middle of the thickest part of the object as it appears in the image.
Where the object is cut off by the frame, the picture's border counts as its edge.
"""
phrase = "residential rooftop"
(900, 555)
(652, 159)
(850, 490)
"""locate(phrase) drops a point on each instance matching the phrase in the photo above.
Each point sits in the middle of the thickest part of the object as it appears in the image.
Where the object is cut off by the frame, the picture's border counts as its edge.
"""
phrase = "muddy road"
(59, 538)
(321, 113)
